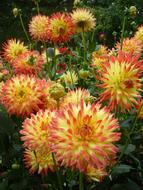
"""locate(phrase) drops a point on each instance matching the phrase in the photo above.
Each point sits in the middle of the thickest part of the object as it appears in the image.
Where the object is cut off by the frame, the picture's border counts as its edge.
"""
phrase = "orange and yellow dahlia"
(61, 27)
(13, 48)
(35, 130)
(75, 96)
(139, 34)
(22, 95)
(84, 135)
(37, 161)
(84, 20)
(28, 63)
(38, 28)
(130, 45)
(121, 82)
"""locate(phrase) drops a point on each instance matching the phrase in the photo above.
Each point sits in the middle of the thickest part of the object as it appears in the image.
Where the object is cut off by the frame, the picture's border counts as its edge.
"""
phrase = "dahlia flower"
(38, 28)
(61, 27)
(121, 81)
(84, 134)
(75, 96)
(37, 161)
(130, 45)
(95, 174)
(69, 78)
(21, 95)
(84, 20)
(99, 57)
(28, 63)
(139, 34)
(13, 48)
(140, 109)
(48, 101)
(35, 130)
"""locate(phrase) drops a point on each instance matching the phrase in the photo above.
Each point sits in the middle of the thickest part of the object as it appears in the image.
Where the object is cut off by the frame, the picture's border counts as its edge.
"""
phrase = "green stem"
(81, 186)
(54, 62)
(85, 49)
(122, 32)
(130, 133)
(37, 5)
(57, 172)
(48, 69)
(23, 27)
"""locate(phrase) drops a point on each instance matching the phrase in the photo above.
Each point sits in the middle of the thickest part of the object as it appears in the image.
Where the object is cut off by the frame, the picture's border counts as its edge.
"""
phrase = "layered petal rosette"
(84, 135)
(28, 63)
(21, 95)
(121, 81)
(13, 48)
(37, 161)
(84, 20)
(38, 28)
(61, 27)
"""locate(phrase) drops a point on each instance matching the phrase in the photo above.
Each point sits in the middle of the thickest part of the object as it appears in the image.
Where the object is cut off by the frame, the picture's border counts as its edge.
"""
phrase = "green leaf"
(120, 169)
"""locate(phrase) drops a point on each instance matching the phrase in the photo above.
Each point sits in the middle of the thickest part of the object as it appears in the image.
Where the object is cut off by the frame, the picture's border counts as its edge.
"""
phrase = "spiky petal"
(121, 81)
(13, 48)
(28, 63)
(130, 45)
(84, 134)
(139, 34)
(83, 19)
(38, 28)
(75, 96)
(35, 132)
(61, 27)
(21, 95)
(37, 161)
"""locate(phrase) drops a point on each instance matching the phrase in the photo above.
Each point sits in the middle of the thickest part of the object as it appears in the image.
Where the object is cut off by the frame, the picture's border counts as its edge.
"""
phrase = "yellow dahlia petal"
(121, 81)
(69, 78)
(35, 132)
(22, 95)
(37, 161)
(61, 27)
(84, 134)
(38, 28)
(95, 174)
(28, 63)
(75, 96)
(13, 48)
(130, 45)
(139, 34)
(48, 101)
(83, 19)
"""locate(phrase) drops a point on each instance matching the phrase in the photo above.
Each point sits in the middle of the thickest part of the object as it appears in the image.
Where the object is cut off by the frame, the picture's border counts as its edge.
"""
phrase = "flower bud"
(133, 11)
(15, 12)
(83, 74)
(15, 166)
(57, 91)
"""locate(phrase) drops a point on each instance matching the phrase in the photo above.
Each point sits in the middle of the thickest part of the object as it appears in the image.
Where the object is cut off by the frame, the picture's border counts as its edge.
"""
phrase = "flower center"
(85, 131)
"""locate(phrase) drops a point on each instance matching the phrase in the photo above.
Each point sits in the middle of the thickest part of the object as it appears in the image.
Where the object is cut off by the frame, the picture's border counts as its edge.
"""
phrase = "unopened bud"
(15, 12)
(83, 74)
(133, 11)
(57, 91)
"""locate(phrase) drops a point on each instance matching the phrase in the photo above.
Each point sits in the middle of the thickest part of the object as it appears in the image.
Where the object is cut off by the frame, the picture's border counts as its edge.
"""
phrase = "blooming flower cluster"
(66, 120)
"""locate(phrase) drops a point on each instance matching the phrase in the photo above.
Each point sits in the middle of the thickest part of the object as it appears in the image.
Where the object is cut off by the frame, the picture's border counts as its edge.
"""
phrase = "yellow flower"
(130, 45)
(38, 28)
(121, 81)
(37, 161)
(99, 57)
(75, 97)
(84, 135)
(139, 34)
(12, 49)
(69, 78)
(83, 19)
(21, 95)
